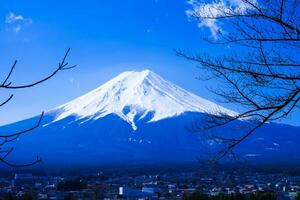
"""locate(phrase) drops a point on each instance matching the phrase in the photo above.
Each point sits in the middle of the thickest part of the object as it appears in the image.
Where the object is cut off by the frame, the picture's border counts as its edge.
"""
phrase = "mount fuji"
(132, 96)
(140, 117)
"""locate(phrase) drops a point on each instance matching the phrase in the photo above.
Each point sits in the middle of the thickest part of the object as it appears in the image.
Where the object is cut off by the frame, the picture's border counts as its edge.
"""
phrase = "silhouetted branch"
(24, 131)
(10, 137)
(263, 74)
(7, 100)
(61, 66)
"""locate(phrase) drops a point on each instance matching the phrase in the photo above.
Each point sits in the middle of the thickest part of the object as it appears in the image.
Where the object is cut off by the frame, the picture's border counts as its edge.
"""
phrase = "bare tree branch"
(261, 72)
(61, 66)
(10, 137)
(7, 100)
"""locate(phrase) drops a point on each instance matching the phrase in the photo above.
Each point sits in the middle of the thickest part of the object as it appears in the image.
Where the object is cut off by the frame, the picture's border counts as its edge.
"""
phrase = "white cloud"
(17, 28)
(216, 8)
(12, 17)
(214, 28)
(16, 22)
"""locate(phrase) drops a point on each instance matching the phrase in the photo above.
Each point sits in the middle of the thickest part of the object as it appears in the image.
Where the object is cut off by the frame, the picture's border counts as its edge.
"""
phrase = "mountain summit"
(133, 95)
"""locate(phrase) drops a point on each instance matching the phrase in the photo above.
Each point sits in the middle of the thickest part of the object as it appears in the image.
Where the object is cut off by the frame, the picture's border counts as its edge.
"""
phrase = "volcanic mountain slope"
(140, 117)
(132, 95)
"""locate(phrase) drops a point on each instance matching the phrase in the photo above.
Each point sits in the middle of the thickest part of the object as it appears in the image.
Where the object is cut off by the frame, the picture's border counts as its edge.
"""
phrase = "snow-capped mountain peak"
(132, 95)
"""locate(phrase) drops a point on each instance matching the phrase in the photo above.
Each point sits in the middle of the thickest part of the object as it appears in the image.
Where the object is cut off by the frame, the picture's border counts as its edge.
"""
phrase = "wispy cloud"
(207, 11)
(16, 22)
(12, 17)
(17, 28)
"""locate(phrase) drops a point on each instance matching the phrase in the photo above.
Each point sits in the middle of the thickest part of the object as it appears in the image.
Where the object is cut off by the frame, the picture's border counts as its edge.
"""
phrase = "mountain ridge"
(134, 93)
(140, 117)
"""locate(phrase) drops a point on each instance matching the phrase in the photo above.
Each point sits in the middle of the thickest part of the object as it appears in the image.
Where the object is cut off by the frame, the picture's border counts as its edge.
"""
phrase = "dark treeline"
(237, 196)
(71, 185)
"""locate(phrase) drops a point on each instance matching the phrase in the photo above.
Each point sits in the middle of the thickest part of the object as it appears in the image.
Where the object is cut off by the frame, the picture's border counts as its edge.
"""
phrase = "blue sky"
(105, 37)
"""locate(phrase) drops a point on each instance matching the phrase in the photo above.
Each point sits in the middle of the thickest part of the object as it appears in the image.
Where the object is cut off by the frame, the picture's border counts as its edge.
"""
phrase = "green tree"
(29, 196)
(263, 196)
(195, 196)
(72, 185)
(10, 197)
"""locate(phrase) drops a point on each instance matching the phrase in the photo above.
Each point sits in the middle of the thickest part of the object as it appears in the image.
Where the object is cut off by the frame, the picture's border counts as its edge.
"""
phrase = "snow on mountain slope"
(135, 94)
